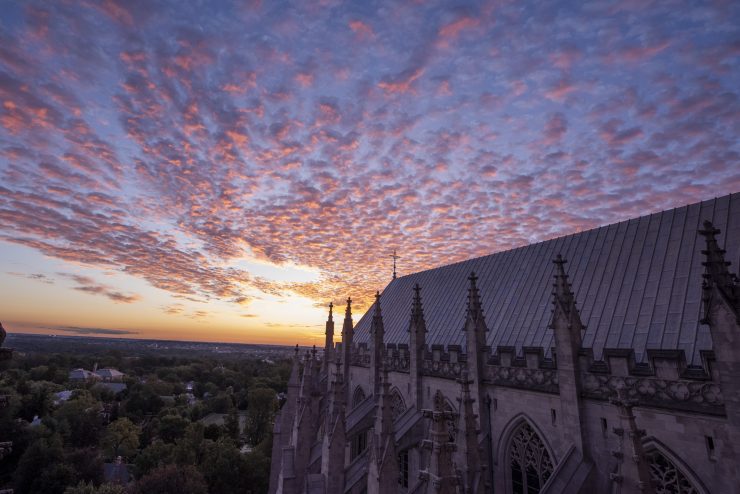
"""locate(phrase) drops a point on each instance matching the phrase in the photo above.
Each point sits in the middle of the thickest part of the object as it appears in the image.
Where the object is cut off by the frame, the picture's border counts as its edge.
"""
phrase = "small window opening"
(495, 404)
(403, 466)
(553, 416)
(710, 448)
(604, 427)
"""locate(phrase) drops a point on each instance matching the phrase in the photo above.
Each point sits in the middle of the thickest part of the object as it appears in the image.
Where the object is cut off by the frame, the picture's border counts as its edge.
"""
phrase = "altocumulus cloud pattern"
(166, 139)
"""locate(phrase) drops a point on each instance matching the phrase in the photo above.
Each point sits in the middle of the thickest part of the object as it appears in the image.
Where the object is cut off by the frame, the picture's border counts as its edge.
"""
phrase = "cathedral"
(606, 361)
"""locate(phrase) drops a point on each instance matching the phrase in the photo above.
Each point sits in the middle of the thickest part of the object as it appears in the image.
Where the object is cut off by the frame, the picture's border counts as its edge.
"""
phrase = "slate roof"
(637, 284)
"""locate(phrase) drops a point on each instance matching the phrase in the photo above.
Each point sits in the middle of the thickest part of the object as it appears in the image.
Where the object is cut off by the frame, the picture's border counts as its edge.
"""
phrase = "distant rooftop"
(637, 284)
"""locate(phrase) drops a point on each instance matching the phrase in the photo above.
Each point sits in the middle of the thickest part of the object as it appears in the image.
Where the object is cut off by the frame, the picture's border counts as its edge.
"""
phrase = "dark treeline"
(183, 424)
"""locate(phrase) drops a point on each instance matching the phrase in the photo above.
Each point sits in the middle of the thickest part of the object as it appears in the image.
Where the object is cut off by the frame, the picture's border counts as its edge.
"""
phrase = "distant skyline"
(220, 171)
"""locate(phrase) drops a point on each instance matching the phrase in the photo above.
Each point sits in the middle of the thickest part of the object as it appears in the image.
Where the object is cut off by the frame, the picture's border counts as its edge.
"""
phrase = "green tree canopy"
(121, 438)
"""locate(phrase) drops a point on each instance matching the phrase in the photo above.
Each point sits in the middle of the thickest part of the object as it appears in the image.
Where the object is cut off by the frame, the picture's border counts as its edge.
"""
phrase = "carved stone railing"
(684, 395)
(543, 380)
(663, 380)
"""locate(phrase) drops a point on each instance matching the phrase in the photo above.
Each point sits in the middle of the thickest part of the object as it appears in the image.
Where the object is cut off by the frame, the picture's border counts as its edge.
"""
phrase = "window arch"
(530, 464)
(358, 396)
(398, 406)
(667, 476)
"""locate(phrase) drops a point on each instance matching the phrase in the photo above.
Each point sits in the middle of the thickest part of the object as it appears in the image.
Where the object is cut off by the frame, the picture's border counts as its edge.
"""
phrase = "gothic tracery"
(397, 404)
(530, 462)
(358, 397)
(666, 477)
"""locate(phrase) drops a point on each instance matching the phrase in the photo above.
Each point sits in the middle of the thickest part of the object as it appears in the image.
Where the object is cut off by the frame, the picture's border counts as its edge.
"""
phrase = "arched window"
(397, 404)
(529, 461)
(358, 396)
(667, 477)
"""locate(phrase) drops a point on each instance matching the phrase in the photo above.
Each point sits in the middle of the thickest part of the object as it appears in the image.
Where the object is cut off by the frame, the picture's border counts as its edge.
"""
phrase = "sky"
(220, 171)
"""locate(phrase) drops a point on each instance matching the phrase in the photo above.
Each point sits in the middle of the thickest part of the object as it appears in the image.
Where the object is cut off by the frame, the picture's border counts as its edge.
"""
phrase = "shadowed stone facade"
(606, 361)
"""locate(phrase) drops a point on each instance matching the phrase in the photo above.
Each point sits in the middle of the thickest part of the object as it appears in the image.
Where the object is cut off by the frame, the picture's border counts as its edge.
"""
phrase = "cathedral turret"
(417, 346)
(383, 470)
(439, 476)
(329, 343)
(281, 474)
(477, 357)
(567, 327)
(633, 475)
(334, 440)
(721, 304)
(347, 334)
(720, 285)
(377, 346)
(469, 449)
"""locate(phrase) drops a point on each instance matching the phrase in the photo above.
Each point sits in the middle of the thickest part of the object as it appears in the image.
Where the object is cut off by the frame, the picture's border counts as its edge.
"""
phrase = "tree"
(142, 400)
(121, 438)
(156, 455)
(87, 463)
(40, 453)
(172, 427)
(224, 467)
(79, 420)
(171, 479)
(260, 413)
(257, 476)
(190, 448)
(231, 423)
(89, 488)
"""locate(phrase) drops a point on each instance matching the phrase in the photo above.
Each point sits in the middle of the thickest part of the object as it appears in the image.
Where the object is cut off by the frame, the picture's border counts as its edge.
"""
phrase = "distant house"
(112, 386)
(82, 375)
(116, 472)
(220, 419)
(62, 396)
(110, 375)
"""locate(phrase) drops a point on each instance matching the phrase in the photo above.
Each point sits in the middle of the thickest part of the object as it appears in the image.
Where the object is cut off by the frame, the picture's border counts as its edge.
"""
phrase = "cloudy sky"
(222, 170)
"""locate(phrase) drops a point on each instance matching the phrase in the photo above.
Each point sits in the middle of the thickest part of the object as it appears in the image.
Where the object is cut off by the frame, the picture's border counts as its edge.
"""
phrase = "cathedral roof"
(637, 284)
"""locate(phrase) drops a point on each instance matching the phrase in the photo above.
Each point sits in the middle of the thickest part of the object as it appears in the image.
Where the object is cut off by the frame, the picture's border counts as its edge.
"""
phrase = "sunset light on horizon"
(221, 171)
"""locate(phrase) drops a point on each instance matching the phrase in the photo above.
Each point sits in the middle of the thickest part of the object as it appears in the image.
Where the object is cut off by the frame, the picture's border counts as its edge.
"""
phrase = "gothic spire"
(471, 478)
(716, 275)
(348, 312)
(377, 333)
(564, 300)
(440, 475)
(347, 336)
(329, 343)
(417, 311)
(294, 379)
(634, 469)
(475, 310)
(417, 346)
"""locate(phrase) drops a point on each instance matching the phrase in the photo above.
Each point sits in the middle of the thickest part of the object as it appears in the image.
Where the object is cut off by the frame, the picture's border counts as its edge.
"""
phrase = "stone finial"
(475, 309)
(563, 298)
(348, 310)
(716, 275)
(377, 331)
(417, 311)
(294, 379)
(331, 312)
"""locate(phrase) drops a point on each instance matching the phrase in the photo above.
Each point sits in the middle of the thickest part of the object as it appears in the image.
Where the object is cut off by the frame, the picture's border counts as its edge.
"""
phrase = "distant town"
(132, 347)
